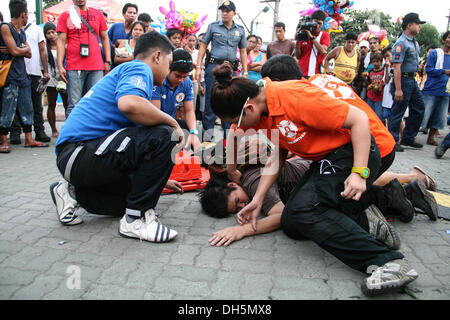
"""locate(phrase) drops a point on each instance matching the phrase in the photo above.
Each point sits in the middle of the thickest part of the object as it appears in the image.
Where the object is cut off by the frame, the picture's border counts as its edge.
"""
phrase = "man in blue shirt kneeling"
(114, 151)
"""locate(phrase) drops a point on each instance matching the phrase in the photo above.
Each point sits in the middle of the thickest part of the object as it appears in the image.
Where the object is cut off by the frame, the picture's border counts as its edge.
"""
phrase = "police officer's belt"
(234, 64)
(408, 74)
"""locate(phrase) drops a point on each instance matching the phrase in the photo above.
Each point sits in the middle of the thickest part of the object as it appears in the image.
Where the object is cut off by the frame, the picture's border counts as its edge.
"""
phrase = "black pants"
(38, 118)
(121, 173)
(315, 210)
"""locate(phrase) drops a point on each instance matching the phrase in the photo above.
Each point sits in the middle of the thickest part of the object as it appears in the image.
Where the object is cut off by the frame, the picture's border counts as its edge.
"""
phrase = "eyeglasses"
(242, 112)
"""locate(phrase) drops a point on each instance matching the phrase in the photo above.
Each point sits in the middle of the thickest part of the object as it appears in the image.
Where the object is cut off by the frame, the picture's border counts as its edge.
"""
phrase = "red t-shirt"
(74, 61)
(311, 59)
(376, 76)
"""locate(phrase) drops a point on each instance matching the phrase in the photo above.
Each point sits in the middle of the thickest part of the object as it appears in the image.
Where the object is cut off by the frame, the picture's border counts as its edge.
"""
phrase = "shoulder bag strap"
(88, 25)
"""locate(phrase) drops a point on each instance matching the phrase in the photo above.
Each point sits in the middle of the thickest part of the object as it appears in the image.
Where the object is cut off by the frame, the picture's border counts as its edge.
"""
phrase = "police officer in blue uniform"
(405, 90)
(225, 37)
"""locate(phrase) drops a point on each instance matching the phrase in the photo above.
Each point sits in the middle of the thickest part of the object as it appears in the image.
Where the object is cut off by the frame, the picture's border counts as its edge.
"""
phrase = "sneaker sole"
(389, 287)
(396, 242)
(75, 220)
(429, 200)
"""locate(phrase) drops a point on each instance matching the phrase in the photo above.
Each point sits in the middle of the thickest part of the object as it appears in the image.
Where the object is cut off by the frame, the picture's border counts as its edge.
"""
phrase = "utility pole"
(276, 13)
(38, 12)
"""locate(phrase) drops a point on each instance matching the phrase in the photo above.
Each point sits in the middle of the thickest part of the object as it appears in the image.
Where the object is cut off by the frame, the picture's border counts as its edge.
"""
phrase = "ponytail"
(229, 94)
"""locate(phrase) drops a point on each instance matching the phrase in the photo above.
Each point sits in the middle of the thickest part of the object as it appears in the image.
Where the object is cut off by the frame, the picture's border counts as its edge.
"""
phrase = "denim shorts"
(16, 99)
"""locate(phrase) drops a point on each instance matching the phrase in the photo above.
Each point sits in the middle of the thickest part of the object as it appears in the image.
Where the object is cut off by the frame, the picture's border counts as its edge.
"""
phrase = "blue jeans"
(412, 98)
(377, 107)
(209, 117)
(78, 83)
(16, 99)
(446, 141)
(435, 111)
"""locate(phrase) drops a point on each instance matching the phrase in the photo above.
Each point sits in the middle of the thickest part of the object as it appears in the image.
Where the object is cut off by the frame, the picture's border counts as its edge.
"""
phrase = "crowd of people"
(133, 95)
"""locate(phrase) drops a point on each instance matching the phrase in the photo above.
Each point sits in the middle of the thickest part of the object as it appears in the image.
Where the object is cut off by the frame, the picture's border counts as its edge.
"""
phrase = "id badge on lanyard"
(84, 47)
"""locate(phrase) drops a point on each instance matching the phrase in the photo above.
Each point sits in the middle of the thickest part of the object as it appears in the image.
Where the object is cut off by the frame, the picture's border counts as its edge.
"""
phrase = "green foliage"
(428, 36)
(358, 21)
(50, 3)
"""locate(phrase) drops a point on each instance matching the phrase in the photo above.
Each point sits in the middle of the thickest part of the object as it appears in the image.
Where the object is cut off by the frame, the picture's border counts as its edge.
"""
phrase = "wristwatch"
(312, 38)
(194, 131)
(364, 172)
(108, 62)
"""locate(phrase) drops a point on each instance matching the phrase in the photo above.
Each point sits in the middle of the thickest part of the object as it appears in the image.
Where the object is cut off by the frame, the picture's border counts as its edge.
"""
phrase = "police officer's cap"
(412, 17)
(228, 5)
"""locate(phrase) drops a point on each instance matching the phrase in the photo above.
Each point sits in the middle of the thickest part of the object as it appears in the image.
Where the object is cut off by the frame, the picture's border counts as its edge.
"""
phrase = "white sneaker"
(147, 228)
(389, 277)
(66, 205)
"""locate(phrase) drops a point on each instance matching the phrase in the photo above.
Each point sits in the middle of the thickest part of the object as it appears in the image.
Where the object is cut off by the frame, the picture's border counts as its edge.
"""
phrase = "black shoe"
(398, 202)
(14, 138)
(440, 150)
(398, 148)
(42, 137)
(422, 199)
(412, 144)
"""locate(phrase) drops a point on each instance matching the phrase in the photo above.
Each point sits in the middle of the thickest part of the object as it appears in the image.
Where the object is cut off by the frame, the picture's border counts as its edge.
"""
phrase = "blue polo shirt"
(97, 114)
(406, 51)
(224, 41)
(171, 99)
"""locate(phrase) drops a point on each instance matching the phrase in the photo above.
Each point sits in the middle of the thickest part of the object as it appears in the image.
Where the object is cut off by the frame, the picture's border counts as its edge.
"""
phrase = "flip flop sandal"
(37, 145)
(431, 185)
(5, 149)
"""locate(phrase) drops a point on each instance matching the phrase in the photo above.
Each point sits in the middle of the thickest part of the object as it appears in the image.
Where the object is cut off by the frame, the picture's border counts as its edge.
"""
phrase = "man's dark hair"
(385, 50)
(145, 17)
(351, 36)
(214, 198)
(319, 15)
(17, 7)
(182, 61)
(280, 25)
(445, 35)
(376, 38)
(151, 41)
(129, 5)
(281, 67)
(171, 32)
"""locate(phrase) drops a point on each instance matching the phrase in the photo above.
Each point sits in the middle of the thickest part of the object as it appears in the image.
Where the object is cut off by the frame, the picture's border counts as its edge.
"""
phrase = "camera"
(304, 24)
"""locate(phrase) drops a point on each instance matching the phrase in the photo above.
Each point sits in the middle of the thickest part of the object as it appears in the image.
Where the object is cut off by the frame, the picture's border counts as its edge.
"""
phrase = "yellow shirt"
(345, 67)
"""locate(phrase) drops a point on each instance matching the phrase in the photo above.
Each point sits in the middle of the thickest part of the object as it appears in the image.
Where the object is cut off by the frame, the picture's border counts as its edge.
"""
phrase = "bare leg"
(51, 116)
(404, 178)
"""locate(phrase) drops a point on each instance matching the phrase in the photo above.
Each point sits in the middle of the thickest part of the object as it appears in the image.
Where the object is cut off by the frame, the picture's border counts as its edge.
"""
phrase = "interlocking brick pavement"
(39, 257)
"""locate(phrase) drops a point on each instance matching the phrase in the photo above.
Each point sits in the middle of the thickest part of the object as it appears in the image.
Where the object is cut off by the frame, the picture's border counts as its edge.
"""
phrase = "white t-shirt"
(35, 35)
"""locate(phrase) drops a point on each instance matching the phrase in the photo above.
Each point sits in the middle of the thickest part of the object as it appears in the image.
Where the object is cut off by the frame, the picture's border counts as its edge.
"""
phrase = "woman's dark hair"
(229, 94)
(252, 36)
(129, 5)
(151, 41)
(214, 198)
(281, 67)
(49, 26)
(135, 24)
(385, 50)
(181, 61)
(17, 7)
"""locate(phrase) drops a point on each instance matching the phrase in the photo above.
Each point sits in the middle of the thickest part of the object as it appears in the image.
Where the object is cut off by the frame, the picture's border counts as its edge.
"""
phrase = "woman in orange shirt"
(321, 120)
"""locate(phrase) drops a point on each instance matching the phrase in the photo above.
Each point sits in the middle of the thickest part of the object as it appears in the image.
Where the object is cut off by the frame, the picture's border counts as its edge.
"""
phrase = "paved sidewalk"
(41, 259)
